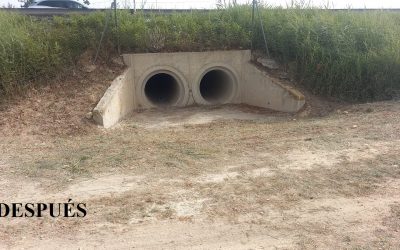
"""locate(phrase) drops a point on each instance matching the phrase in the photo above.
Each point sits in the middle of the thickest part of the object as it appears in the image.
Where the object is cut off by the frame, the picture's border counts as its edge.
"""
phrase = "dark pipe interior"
(162, 89)
(216, 86)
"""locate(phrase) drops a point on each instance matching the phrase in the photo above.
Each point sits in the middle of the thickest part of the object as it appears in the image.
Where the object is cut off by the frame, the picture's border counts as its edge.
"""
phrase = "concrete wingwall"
(259, 89)
(117, 102)
(186, 78)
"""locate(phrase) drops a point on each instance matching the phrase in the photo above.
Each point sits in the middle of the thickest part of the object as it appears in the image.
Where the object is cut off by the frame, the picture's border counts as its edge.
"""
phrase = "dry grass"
(286, 189)
(315, 182)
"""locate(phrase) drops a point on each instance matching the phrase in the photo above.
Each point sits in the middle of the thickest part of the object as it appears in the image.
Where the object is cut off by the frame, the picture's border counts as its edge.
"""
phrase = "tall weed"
(344, 54)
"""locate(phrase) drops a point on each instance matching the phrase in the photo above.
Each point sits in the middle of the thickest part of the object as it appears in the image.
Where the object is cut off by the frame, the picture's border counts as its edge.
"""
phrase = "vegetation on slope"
(348, 55)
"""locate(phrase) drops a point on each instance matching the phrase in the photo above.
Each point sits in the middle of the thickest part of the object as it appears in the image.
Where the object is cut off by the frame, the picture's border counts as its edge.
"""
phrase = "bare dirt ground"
(229, 177)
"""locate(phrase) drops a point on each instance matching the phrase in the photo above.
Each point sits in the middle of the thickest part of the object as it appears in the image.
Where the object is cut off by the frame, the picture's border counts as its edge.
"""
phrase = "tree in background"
(223, 4)
(8, 6)
(26, 3)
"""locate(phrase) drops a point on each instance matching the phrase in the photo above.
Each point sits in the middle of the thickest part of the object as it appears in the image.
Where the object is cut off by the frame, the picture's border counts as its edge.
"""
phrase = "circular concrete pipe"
(164, 88)
(217, 85)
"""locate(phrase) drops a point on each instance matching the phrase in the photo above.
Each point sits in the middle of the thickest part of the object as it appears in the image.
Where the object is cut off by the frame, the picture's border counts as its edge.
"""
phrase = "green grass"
(28, 52)
(348, 55)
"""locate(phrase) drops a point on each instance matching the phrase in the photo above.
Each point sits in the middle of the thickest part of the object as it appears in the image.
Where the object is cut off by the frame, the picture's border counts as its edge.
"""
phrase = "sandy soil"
(229, 177)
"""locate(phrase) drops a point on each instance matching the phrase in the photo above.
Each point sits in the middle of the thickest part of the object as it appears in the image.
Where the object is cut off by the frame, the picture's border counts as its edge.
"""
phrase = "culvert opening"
(216, 86)
(162, 89)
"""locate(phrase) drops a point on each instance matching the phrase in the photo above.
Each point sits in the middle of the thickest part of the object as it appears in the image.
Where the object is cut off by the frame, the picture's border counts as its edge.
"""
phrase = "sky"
(205, 4)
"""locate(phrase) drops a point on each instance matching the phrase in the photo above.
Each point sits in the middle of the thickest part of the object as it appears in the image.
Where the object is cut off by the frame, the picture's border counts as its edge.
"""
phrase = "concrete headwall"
(204, 78)
(188, 67)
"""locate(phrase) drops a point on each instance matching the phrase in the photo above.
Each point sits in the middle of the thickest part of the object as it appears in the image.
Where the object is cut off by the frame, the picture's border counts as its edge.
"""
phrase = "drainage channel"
(163, 89)
(216, 86)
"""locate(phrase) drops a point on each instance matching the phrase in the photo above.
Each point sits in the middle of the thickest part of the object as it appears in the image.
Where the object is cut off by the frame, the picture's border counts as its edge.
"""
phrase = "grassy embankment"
(348, 55)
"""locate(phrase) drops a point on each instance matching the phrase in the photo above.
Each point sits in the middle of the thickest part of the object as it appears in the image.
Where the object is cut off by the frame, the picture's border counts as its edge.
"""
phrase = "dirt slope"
(228, 177)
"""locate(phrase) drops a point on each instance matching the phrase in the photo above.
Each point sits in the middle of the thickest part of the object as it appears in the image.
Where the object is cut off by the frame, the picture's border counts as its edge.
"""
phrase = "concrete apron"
(185, 78)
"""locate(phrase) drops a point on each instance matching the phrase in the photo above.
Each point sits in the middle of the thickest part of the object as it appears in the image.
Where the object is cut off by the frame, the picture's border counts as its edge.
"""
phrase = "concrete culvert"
(216, 86)
(162, 89)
